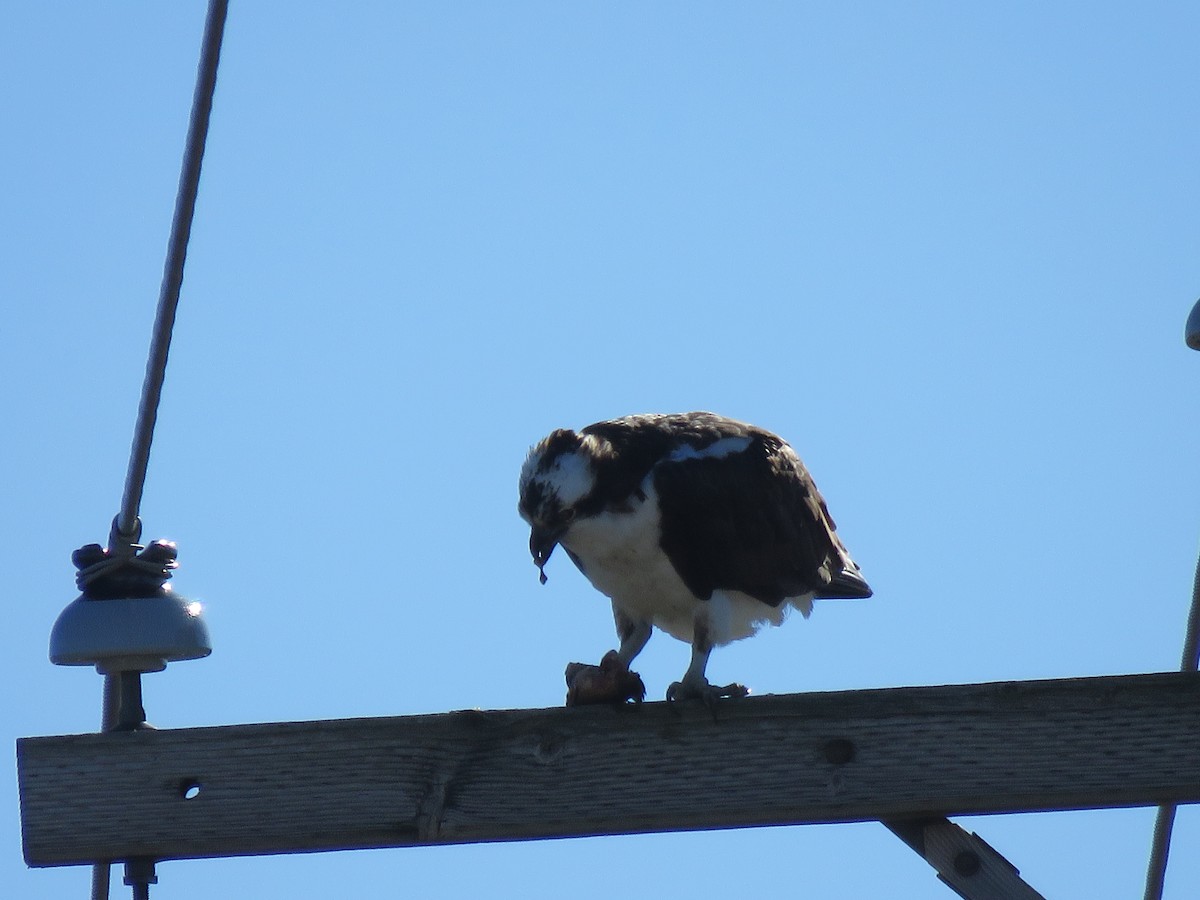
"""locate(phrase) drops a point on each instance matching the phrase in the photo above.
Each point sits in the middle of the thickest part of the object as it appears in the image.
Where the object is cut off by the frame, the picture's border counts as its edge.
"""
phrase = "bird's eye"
(568, 516)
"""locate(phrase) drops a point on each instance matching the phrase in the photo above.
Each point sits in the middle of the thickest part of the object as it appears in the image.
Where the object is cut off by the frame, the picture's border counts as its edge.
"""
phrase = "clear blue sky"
(945, 249)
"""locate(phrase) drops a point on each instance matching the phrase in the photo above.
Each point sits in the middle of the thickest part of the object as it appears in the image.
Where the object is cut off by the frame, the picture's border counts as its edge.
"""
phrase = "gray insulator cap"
(140, 634)
(1191, 332)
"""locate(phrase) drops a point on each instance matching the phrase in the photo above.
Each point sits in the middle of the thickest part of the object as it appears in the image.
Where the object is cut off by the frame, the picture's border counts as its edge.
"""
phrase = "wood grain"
(963, 860)
(467, 776)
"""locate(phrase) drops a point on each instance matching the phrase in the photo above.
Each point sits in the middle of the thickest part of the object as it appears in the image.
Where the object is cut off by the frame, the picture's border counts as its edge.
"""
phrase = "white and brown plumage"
(702, 526)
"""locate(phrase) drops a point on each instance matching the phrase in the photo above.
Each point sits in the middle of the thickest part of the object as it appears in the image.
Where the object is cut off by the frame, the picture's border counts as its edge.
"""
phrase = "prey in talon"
(609, 682)
(704, 527)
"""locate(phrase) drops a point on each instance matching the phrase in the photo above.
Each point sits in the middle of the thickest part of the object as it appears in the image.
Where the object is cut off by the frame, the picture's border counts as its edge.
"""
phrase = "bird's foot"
(709, 693)
(609, 682)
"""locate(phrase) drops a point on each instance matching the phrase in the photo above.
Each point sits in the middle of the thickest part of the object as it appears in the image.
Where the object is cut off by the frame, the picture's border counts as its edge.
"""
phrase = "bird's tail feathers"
(847, 584)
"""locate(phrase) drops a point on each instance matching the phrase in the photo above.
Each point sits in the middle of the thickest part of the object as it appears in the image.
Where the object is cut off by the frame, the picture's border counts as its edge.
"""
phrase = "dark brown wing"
(752, 521)
(637, 443)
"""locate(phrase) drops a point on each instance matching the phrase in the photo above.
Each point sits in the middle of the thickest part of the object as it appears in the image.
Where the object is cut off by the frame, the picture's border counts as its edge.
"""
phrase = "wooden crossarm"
(892, 754)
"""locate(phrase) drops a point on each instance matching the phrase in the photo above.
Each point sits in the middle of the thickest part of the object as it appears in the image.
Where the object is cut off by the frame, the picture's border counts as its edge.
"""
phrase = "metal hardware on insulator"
(139, 875)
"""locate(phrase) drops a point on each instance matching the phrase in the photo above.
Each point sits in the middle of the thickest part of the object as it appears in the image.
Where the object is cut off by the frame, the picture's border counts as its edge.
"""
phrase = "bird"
(704, 527)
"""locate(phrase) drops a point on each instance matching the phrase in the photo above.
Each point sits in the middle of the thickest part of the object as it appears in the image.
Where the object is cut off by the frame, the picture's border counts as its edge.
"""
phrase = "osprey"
(704, 527)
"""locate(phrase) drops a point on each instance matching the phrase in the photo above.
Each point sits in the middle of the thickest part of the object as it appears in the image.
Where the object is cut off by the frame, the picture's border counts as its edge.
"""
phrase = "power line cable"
(127, 527)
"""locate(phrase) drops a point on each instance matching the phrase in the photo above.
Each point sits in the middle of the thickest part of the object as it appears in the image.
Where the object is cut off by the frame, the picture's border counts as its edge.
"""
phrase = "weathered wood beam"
(459, 777)
(963, 860)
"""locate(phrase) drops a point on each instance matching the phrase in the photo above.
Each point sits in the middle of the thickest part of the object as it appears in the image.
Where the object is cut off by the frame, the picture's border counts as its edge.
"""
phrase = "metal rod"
(126, 528)
(1164, 822)
(102, 871)
(131, 715)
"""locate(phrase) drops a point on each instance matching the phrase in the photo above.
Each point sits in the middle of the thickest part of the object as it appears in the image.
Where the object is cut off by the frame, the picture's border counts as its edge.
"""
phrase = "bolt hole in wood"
(189, 789)
(967, 863)
(839, 751)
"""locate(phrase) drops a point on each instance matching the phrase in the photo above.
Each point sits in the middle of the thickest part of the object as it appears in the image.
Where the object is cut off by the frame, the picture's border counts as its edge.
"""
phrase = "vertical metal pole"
(102, 871)
(1164, 823)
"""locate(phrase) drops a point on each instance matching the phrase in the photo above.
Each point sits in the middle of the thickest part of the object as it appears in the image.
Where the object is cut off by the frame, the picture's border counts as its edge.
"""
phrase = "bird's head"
(558, 474)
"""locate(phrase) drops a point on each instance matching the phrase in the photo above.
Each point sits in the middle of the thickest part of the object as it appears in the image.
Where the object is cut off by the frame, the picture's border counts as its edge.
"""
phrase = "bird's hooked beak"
(542, 542)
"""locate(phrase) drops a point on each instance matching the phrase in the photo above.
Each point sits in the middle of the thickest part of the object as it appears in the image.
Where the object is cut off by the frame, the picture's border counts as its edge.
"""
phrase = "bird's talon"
(709, 693)
(609, 682)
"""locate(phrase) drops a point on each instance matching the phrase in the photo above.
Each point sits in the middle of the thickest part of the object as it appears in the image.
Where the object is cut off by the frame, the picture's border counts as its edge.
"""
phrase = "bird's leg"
(694, 685)
(611, 681)
(633, 635)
